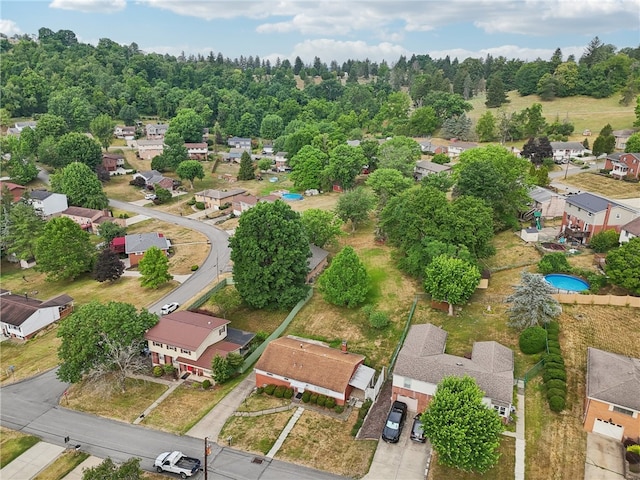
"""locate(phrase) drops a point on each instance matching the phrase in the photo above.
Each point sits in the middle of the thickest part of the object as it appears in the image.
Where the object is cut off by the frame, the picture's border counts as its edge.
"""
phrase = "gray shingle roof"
(141, 242)
(567, 146)
(542, 195)
(432, 166)
(591, 203)
(40, 194)
(422, 358)
(317, 256)
(613, 378)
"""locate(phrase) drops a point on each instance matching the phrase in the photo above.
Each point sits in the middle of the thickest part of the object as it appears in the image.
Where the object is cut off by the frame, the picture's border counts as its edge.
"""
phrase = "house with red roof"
(16, 190)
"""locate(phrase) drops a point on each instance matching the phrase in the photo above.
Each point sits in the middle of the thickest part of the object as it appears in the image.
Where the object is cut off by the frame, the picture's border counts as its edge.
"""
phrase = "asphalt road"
(31, 406)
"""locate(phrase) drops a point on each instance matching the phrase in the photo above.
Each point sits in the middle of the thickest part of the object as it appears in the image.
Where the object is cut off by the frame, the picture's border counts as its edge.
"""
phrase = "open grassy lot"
(603, 185)
(29, 358)
(255, 434)
(13, 444)
(62, 466)
(111, 402)
(504, 470)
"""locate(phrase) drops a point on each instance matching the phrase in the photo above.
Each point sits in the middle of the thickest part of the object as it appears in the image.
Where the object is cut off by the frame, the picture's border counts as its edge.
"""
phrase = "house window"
(590, 214)
(407, 382)
(157, 344)
(270, 374)
(617, 215)
(623, 411)
(501, 410)
(586, 227)
(171, 347)
(222, 330)
(188, 352)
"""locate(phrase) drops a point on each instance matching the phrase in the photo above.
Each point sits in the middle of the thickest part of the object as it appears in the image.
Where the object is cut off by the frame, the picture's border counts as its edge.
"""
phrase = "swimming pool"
(292, 196)
(567, 283)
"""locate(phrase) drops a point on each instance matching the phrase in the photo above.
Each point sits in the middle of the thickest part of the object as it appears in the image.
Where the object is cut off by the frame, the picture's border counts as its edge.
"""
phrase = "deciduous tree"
(77, 147)
(345, 163)
(531, 302)
(81, 186)
(270, 251)
(345, 282)
(399, 153)
(387, 183)
(633, 144)
(129, 470)
(221, 369)
(129, 114)
(154, 268)
(108, 266)
(623, 266)
(308, 166)
(322, 227)
(271, 126)
(451, 280)
(462, 429)
(354, 206)
(101, 128)
(188, 125)
(190, 170)
(110, 230)
(21, 169)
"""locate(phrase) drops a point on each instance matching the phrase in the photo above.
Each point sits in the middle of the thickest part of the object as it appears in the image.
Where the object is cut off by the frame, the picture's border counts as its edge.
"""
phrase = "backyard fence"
(617, 300)
(404, 335)
(206, 296)
(532, 372)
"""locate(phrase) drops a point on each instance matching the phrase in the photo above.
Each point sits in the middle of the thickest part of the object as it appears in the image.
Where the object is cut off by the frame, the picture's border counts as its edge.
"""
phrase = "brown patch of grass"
(62, 466)
(112, 403)
(29, 358)
(603, 185)
(512, 251)
(257, 403)
(13, 444)
(504, 469)
(255, 434)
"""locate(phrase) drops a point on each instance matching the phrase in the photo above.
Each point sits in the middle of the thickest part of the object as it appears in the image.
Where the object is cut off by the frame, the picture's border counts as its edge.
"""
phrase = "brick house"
(124, 132)
(309, 365)
(153, 178)
(22, 317)
(137, 244)
(586, 214)
(89, 219)
(216, 198)
(156, 131)
(112, 161)
(612, 401)
(422, 364)
(623, 165)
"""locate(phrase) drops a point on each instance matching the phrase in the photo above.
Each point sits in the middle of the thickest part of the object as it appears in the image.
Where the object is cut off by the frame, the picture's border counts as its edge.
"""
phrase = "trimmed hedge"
(321, 400)
(555, 392)
(206, 384)
(158, 371)
(330, 403)
(313, 398)
(554, 374)
(553, 358)
(557, 384)
(259, 390)
(269, 389)
(288, 393)
(533, 340)
(306, 396)
(554, 350)
(279, 391)
(338, 408)
(557, 403)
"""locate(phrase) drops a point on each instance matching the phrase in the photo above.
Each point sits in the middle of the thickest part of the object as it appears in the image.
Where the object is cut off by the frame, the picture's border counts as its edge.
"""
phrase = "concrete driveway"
(605, 460)
(405, 460)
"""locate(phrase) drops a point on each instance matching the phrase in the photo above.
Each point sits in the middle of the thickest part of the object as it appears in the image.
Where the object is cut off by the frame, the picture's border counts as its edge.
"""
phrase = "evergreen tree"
(532, 303)
(496, 95)
(345, 283)
(247, 170)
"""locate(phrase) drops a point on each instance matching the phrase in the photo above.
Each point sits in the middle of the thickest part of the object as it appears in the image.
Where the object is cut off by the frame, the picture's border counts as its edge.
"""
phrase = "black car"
(395, 422)
(417, 433)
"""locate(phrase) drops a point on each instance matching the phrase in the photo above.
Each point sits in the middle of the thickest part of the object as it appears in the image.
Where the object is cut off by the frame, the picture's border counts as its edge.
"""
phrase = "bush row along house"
(22, 317)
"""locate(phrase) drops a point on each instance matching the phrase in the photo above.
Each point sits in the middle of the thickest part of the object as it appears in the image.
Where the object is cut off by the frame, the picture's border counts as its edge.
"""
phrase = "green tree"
(72, 105)
(442, 181)
(399, 153)
(64, 250)
(77, 147)
(604, 241)
(22, 229)
(271, 126)
(387, 183)
(605, 142)
(188, 125)
(50, 125)
(354, 206)
(154, 268)
(423, 121)
(21, 169)
(623, 266)
(486, 127)
(441, 158)
(48, 152)
(451, 280)
(81, 186)
(270, 251)
(101, 128)
(94, 336)
(345, 164)
(108, 266)
(537, 149)
(447, 105)
(554, 263)
(636, 110)
(633, 144)
(463, 430)
(129, 470)
(307, 167)
(110, 230)
(226, 300)
(129, 114)
(531, 302)
(174, 152)
(264, 164)
(534, 122)
(190, 170)
(458, 126)
(221, 370)
(345, 282)
(321, 226)
(496, 95)
(247, 170)
(163, 195)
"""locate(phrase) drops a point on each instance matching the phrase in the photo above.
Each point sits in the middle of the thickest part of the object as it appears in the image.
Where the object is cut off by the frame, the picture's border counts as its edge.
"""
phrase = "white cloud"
(90, 6)
(508, 51)
(9, 28)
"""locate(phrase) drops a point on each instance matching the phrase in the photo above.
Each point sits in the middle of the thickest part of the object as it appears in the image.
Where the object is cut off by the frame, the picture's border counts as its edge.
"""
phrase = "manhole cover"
(257, 460)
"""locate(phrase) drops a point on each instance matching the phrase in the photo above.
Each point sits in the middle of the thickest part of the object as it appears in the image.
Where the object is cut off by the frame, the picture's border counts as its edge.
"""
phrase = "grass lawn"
(31, 357)
(62, 466)
(13, 444)
(113, 403)
(603, 185)
(504, 470)
(254, 434)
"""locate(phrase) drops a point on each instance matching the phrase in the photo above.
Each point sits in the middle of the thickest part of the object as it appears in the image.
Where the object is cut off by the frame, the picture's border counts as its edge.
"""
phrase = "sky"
(336, 30)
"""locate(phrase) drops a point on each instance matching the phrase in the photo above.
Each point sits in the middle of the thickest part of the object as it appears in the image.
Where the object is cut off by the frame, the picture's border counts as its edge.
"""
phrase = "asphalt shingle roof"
(591, 203)
(613, 378)
(184, 329)
(141, 242)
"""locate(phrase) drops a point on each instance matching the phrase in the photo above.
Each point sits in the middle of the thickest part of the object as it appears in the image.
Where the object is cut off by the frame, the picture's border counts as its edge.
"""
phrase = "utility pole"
(207, 452)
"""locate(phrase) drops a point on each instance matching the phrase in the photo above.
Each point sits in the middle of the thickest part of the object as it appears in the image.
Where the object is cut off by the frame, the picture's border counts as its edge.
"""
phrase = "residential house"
(112, 162)
(156, 131)
(612, 403)
(424, 168)
(456, 148)
(16, 190)
(621, 137)
(312, 366)
(427, 146)
(137, 244)
(48, 204)
(148, 149)
(22, 317)
(89, 218)
(586, 214)
(422, 364)
(317, 262)
(19, 126)
(124, 132)
(353, 143)
(547, 202)
(281, 162)
(242, 203)
(267, 148)
(623, 165)
(216, 198)
(240, 142)
(630, 230)
(154, 178)
(197, 151)
(189, 341)
(563, 152)
(235, 155)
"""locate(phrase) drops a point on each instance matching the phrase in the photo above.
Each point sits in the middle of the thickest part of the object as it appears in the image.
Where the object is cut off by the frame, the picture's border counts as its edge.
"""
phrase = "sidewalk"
(211, 425)
(173, 384)
(76, 473)
(285, 433)
(34, 460)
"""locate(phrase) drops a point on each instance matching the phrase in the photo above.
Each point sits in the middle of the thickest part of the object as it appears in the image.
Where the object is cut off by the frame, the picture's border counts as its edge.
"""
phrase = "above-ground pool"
(292, 196)
(567, 283)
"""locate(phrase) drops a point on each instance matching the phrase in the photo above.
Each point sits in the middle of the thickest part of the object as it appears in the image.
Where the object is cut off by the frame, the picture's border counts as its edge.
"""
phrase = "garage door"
(609, 429)
(412, 403)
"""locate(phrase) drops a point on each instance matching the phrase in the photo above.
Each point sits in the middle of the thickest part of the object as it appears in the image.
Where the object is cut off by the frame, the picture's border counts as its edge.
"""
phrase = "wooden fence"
(618, 300)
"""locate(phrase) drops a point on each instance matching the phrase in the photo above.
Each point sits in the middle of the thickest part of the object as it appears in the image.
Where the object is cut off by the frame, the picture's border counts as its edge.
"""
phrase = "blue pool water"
(292, 196)
(566, 282)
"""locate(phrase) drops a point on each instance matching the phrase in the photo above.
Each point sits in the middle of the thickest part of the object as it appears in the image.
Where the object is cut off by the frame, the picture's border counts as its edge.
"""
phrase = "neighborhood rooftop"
(592, 203)
(633, 227)
(613, 378)
(141, 242)
(15, 309)
(184, 329)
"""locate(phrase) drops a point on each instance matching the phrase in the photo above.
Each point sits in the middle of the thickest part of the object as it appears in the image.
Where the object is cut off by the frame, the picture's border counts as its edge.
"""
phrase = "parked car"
(150, 196)
(169, 307)
(417, 433)
(177, 462)
(395, 421)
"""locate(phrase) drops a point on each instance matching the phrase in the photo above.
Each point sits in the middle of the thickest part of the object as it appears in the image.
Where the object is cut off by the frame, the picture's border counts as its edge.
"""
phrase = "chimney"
(344, 346)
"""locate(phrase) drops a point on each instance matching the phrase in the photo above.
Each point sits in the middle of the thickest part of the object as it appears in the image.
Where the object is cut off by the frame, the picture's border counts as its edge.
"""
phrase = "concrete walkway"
(285, 433)
(212, 423)
(519, 435)
(31, 462)
(172, 386)
(76, 473)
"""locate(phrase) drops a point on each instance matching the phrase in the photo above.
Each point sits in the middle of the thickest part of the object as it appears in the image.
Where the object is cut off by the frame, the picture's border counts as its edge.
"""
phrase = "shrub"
(158, 371)
(200, 205)
(330, 403)
(553, 343)
(378, 319)
(313, 398)
(368, 310)
(194, 268)
(533, 340)
(554, 366)
(206, 384)
(356, 427)
(553, 263)
(259, 390)
(557, 404)
(168, 368)
(553, 327)
(365, 408)
(556, 384)
(269, 389)
(553, 358)
(288, 393)
(191, 201)
(634, 449)
(322, 399)
(554, 350)
(306, 396)
(556, 374)
(279, 391)
(338, 408)
(556, 392)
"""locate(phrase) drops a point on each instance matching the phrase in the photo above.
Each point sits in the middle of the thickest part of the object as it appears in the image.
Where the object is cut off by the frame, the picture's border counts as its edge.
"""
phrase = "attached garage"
(611, 430)
(412, 403)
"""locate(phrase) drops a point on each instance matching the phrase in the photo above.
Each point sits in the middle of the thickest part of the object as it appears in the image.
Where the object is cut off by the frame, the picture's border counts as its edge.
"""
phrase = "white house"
(197, 151)
(22, 317)
(456, 148)
(424, 168)
(147, 149)
(630, 230)
(550, 204)
(565, 151)
(239, 142)
(47, 203)
(281, 161)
